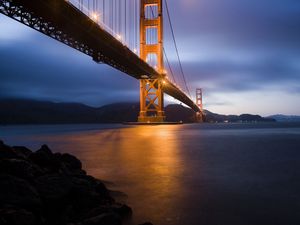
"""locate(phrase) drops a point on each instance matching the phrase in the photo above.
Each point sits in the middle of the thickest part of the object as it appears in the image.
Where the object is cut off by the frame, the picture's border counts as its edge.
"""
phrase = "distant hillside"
(285, 118)
(17, 111)
(213, 117)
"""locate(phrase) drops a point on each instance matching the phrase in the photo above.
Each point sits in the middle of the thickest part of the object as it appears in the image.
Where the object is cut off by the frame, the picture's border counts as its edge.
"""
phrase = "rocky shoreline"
(46, 188)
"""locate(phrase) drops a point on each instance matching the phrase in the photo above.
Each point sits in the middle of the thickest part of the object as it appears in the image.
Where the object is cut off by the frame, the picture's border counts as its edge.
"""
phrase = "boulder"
(19, 168)
(45, 159)
(7, 152)
(53, 187)
(71, 161)
(17, 216)
(124, 211)
(54, 190)
(104, 219)
(22, 151)
(101, 189)
(18, 192)
(83, 194)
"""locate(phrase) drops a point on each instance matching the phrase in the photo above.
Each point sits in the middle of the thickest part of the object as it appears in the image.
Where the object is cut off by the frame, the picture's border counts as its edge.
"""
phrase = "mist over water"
(212, 174)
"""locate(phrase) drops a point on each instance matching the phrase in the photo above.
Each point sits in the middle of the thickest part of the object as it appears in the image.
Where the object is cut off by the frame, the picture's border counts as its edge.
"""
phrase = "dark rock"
(51, 189)
(83, 195)
(101, 189)
(104, 219)
(7, 152)
(122, 210)
(17, 216)
(18, 192)
(71, 161)
(18, 167)
(45, 159)
(147, 223)
(54, 190)
(45, 149)
(54, 187)
(22, 151)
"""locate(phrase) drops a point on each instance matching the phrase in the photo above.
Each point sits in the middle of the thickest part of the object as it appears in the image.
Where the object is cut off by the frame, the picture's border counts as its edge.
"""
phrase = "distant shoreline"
(24, 111)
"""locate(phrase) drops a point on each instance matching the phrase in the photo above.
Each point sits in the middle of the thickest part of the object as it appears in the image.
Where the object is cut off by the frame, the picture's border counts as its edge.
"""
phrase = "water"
(211, 174)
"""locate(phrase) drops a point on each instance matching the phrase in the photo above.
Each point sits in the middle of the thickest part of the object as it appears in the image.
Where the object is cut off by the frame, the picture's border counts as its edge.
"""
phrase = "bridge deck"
(65, 23)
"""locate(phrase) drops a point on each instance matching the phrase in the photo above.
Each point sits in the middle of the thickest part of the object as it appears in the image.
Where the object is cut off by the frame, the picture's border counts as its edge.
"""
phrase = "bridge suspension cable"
(176, 48)
(177, 52)
(121, 19)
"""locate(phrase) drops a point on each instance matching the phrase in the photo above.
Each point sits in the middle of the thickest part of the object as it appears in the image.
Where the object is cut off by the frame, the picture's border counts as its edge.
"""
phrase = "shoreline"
(46, 188)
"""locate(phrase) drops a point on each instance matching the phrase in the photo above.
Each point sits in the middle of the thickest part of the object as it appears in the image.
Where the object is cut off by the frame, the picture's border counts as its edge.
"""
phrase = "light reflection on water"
(145, 164)
(190, 174)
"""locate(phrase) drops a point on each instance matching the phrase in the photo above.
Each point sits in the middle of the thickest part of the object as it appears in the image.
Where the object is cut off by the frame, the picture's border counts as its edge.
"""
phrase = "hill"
(285, 118)
(24, 111)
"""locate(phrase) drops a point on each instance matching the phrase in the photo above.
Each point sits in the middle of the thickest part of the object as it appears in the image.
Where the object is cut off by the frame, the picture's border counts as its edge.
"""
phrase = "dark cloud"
(64, 77)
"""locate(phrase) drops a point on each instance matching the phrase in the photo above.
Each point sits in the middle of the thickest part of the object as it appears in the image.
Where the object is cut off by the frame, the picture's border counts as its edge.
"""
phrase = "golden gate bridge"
(125, 34)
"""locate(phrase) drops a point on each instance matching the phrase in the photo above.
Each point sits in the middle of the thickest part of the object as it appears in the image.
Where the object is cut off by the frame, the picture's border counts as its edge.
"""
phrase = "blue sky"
(245, 54)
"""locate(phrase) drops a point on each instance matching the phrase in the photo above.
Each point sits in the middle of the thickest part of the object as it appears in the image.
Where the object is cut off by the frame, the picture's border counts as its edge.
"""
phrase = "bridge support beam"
(199, 103)
(151, 51)
(151, 101)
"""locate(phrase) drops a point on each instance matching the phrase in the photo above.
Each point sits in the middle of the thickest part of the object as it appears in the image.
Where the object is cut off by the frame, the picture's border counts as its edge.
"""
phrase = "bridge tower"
(151, 93)
(199, 103)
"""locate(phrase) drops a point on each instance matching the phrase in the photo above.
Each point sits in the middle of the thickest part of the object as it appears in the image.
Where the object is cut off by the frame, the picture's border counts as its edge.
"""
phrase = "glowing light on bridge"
(95, 17)
(119, 37)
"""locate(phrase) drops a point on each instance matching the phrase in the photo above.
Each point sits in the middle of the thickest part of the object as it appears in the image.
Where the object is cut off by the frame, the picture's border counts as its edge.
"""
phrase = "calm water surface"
(211, 174)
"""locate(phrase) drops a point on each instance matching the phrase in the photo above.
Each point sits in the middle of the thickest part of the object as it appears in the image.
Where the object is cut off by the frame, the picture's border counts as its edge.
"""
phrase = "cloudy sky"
(245, 54)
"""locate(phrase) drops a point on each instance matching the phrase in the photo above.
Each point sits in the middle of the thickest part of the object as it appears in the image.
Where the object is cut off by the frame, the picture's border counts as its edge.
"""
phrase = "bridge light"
(164, 82)
(119, 37)
(95, 17)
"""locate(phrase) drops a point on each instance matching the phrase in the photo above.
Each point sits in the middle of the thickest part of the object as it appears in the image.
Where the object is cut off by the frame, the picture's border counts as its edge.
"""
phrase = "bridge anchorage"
(151, 51)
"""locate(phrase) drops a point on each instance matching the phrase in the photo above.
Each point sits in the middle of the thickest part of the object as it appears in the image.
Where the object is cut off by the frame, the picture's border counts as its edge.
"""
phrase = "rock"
(71, 161)
(124, 211)
(83, 195)
(104, 219)
(17, 216)
(18, 167)
(54, 190)
(7, 152)
(18, 192)
(53, 187)
(101, 189)
(22, 151)
(147, 223)
(45, 159)
(45, 149)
